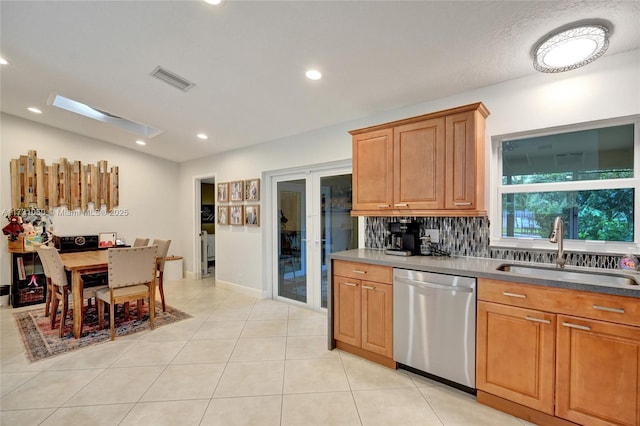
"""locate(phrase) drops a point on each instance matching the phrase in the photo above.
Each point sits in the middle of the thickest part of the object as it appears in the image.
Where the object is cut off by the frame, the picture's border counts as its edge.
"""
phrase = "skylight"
(104, 117)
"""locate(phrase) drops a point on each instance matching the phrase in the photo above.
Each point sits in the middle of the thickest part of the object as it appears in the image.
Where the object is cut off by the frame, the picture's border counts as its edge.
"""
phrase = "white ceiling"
(248, 58)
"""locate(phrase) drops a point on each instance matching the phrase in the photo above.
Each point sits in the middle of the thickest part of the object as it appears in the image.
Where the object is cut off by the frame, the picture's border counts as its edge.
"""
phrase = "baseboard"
(236, 288)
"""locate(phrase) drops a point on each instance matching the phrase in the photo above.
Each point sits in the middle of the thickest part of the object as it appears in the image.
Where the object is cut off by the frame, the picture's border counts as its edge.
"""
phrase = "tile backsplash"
(469, 236)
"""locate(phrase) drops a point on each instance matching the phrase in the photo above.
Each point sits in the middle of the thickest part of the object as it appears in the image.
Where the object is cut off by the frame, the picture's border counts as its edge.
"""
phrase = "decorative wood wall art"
(66, 183)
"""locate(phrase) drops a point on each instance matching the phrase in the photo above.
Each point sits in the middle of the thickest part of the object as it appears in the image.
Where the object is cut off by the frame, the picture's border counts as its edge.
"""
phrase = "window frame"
(497, 189)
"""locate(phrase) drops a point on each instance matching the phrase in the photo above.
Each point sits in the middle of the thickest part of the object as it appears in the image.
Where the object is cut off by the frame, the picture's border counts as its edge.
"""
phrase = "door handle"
(608, 309)
(576, 326)
(350, 284)
(533, 319)
(368, 287)
(520, 296)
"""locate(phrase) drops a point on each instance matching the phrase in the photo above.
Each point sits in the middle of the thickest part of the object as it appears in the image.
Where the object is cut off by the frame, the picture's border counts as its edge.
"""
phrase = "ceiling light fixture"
(34, 110)
(141, 143)
(202, 136)
(3, 61)
(313, 75)
(213, 2)
(571, 47)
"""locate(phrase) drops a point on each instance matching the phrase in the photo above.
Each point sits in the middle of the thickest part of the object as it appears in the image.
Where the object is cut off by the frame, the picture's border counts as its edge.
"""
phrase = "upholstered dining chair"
(49, 286)
(58, 285)
(132, 276)
(140, 242)
(163, 249)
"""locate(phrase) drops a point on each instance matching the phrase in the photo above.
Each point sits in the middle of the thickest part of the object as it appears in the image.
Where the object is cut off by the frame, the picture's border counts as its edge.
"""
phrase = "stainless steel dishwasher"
(434, 326)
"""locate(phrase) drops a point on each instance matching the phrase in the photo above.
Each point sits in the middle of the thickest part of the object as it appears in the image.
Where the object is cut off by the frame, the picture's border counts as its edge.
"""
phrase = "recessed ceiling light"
(3, 61)
(213, 2)
(570, 47)
(313, 75)
(141, 143)
(202, 136)
(34, 110)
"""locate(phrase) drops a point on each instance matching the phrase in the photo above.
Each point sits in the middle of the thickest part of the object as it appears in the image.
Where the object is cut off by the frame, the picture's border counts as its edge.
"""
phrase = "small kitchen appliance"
(403, 238)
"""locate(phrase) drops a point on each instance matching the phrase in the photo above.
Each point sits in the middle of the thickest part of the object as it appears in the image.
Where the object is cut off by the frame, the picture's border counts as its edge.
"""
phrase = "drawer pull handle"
(356, 271)
(350, 284)
(401, 205)
(520, 296)
(368, 287)
(579, 327)
(383, 206)
(543, 321)
(461, 204)
(608, 309)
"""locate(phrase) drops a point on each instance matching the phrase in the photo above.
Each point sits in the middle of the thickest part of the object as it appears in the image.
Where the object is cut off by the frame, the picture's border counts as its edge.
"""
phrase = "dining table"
(79, 264)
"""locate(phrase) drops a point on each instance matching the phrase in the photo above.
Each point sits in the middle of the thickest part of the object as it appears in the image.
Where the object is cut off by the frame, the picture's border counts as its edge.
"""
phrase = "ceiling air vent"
(172, 79)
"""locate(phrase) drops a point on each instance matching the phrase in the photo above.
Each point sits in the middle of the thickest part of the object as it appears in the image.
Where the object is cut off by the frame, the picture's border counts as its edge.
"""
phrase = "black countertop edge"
(476, 267)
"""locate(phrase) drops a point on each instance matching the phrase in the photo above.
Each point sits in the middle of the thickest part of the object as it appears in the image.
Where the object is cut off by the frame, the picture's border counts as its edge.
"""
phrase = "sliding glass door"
(312, 215)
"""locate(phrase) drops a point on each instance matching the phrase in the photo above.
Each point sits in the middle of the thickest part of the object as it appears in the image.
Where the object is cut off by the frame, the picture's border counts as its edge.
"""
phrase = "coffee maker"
(403, 238)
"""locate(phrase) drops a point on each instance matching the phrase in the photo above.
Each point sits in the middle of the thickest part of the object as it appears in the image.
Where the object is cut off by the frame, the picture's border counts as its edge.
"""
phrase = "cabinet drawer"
(363, 271)
(606, 307)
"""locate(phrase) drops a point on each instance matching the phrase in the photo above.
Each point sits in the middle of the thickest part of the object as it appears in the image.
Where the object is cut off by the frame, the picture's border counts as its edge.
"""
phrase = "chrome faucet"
(557, 236)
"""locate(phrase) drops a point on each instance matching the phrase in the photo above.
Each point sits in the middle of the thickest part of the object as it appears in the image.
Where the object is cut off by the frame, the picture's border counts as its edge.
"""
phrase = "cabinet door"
(463, 162)
(419, 155)
(373, 170)
(598, 372)
(377, 318)
(515, 354)
(347, 324)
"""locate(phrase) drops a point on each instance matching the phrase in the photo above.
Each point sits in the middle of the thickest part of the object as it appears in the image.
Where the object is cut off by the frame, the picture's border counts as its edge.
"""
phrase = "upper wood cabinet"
(430, 165)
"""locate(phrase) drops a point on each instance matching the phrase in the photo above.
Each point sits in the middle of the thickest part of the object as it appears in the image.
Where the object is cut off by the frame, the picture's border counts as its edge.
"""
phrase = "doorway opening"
(206, 227)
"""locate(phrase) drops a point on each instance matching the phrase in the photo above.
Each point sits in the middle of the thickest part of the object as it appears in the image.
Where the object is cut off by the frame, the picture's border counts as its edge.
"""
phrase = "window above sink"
(585, 173)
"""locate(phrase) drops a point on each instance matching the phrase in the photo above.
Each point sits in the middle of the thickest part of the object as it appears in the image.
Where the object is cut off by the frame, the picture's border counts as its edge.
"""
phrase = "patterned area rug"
(42, 342)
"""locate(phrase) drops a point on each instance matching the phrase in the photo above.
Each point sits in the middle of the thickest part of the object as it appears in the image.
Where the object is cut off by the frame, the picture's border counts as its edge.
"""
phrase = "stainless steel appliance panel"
(434, 324)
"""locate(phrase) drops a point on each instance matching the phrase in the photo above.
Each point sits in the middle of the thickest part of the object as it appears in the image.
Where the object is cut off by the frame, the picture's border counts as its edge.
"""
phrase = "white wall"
(148, 185)
(610, 87)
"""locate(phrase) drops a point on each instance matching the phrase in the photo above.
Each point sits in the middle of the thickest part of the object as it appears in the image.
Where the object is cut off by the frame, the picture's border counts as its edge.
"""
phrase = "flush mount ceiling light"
(571, 47)
(141, 143)
(202, 136)
(313, 75)
(213, 2)
(3, 61)
(34, 110)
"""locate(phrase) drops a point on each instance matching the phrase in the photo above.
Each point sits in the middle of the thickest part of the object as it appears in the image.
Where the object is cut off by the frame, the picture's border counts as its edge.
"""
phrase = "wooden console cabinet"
(430, 165)
(363, 310)
(550, 354)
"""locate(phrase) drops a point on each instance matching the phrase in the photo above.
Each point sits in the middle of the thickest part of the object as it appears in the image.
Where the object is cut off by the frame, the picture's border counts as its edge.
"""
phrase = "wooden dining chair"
(58, 289)
(60, 286)
(161, 257)
(140, 242)
(132, 277)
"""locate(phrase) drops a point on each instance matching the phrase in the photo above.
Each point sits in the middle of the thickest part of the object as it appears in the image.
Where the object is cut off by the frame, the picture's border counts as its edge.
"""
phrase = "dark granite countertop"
(482, 268)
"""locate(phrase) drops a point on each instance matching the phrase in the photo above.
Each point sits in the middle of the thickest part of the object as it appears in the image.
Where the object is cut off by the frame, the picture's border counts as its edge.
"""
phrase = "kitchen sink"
(581, 276)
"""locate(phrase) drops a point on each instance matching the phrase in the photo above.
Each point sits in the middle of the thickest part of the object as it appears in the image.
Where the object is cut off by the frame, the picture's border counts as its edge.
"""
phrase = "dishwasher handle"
(424, 284)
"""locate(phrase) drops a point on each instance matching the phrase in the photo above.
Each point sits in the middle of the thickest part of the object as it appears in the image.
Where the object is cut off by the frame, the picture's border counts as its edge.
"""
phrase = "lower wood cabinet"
(363, 310)
(598, 372)
(516, 354)
(554, 356)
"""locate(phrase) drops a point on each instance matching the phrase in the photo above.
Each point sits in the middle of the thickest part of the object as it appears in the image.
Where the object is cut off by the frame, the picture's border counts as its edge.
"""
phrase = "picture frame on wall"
(223, 215)
(252, 215)
(223, 192)
(236, 190)
(252, 190)
(236, 215)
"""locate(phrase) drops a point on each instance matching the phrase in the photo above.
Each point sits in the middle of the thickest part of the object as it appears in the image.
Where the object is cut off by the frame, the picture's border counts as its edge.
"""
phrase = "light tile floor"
(238, 361)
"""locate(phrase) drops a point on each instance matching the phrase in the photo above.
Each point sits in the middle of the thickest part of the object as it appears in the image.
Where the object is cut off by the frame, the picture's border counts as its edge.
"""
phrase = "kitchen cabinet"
(536, 341)
(363, 310)
(430, 165)
(524, 337)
